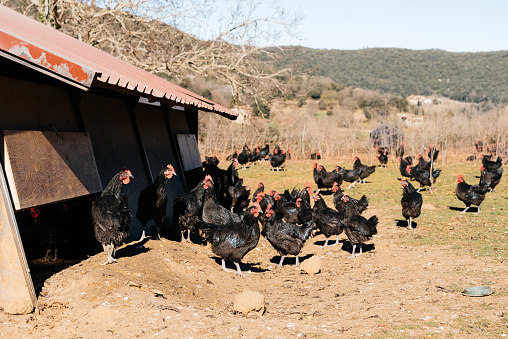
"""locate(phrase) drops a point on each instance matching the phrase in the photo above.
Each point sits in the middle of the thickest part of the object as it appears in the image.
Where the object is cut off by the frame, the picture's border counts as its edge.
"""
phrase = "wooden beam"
(176, 150)
(17, 294)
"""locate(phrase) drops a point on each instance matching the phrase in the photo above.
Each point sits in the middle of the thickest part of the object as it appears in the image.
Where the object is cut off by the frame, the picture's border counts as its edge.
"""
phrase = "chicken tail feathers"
(372, 224)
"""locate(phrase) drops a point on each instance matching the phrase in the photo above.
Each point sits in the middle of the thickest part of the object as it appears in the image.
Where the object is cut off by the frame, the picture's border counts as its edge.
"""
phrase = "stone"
(311, 265)
(249, 301)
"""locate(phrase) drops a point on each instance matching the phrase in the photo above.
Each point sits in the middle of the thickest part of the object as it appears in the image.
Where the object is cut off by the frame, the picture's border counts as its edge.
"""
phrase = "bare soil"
(169, 289)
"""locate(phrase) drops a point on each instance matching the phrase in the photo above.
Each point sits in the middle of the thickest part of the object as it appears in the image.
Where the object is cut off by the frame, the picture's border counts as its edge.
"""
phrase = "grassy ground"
(440, 223)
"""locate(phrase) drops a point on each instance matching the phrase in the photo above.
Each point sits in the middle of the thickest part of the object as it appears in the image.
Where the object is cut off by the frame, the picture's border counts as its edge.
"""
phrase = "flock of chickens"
(225, 213)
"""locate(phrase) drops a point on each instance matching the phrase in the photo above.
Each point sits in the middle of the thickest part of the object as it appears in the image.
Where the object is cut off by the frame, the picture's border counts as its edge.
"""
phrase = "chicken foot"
(409, 223)
(110, 259)
(281, 262)
(467, 207)
(143, 236)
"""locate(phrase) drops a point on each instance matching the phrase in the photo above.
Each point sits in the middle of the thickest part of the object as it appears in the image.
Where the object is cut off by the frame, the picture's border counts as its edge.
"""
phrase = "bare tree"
(154, 35)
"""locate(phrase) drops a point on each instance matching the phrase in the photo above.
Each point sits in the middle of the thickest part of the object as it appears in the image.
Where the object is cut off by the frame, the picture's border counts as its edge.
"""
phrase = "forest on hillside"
(469, 77)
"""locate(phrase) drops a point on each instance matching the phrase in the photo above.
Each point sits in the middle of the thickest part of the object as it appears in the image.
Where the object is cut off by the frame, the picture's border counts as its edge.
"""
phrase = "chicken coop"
(386, 135)
(71, 116)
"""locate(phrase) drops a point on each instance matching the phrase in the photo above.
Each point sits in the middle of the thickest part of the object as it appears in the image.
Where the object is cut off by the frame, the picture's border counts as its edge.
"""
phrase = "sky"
(451, 25)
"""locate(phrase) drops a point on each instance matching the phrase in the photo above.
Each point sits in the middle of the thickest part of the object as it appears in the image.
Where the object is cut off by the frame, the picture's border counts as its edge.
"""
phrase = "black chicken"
(286, 238)
(50, 222)
(318, 179)
(423, 177)
(329, 221)
(153, 199)
(261, 188)
(411, 202)
(399, 152)
(233, 240)
(470, 194)
(489, 165)
(366, 171)
(263, 152)
(243, 157)
(329, 178)
(403, 165)
(304, 211)
(277, 159)
(111, 214)
(358, 229)
(285, 209)
(213, 212)
(239, 196)
(211, 161)
(360, 205)
(383, 150)
(383, 160)
(492, 178)
(232, 156)
(350, 176)
(254, 155)
(305, 195)
(188, 208)
(422, 164)
(432, 152)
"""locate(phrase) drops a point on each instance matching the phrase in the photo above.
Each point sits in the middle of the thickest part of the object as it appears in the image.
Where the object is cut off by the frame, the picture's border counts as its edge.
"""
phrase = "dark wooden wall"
(26, 105)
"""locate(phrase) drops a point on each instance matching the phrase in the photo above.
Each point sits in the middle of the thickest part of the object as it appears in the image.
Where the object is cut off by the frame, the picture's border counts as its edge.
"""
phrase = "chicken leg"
(239, 271)
(297, 261)
(110, 259)
(281, 262)
(409, 223)
(465, 209)
(354, 248)
(143, 236)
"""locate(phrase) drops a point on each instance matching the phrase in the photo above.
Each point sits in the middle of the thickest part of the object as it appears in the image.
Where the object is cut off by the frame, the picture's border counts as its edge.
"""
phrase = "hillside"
(473, 77)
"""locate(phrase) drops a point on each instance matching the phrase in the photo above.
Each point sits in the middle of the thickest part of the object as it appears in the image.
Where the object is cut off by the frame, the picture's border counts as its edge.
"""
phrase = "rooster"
(188, 208)
(286, 238)
(153, 199)
(233, 240)
(470, 194)
(111, 214)
(411, 202)
(358, 229)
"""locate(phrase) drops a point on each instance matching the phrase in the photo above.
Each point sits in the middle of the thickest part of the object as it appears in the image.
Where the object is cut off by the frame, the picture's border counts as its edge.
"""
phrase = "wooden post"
(17, 294)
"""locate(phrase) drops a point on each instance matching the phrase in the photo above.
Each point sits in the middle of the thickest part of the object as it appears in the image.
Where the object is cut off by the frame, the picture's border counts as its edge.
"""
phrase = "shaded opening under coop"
(56, 236)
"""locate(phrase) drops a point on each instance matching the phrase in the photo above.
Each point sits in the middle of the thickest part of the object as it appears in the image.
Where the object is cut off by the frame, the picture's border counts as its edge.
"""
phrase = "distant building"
(419, 99)
(410, 120)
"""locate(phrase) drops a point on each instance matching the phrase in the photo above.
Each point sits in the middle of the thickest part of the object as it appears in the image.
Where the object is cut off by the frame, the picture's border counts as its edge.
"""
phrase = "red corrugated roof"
(76, 61)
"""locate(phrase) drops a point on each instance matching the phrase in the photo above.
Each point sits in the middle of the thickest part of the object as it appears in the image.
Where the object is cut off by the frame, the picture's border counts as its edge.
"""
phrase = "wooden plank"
(189, 151)
(43, 167)
(17, 294)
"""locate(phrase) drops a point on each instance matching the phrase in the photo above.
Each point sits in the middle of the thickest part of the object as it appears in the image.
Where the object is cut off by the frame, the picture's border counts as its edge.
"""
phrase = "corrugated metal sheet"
(50, 49)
